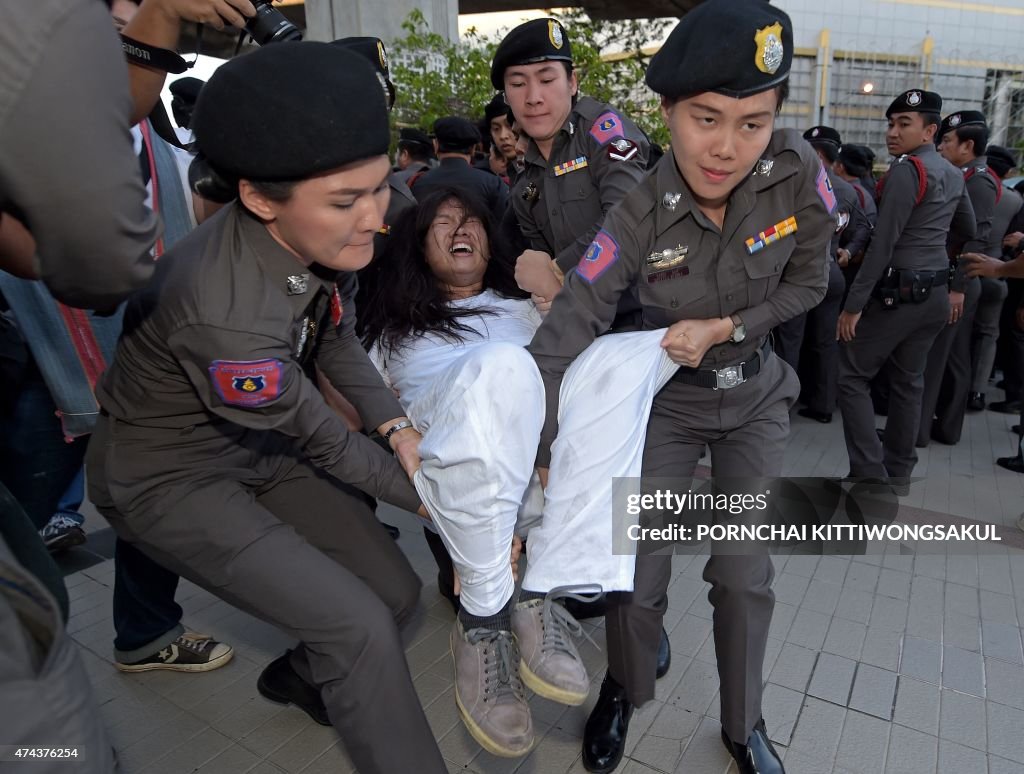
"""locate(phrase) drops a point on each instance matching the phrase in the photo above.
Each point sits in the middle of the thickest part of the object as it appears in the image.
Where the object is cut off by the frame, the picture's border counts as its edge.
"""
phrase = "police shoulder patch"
(607, 127)
(248, 383)
(824, 186)
(599, 257)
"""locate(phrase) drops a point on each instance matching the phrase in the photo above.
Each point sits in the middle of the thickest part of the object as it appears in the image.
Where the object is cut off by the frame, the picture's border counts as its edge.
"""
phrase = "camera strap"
(150, 56)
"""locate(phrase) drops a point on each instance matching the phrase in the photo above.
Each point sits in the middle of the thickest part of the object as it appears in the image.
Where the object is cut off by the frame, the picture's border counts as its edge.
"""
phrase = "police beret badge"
(770, 51)
(555, 33)
(954, 120)
(914, 98)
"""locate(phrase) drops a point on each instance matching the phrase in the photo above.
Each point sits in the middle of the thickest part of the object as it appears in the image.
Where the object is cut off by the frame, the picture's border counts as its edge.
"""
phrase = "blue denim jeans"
(146, 617)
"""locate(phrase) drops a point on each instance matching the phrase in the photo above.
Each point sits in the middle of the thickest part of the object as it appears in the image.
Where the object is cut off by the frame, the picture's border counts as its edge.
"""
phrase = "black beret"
(290, 111)
(454, 133)
(415, 136)
(534, 41)
(373, 51)
(495, 108)
(1000, 159)
(187, 89)
(732, 47)
(915, 101)
(823, 134)
(961, 118)
(855, 160)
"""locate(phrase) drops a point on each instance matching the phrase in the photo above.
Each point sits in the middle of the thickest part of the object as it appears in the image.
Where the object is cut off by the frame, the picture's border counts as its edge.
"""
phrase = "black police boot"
(757, 756)
(1016, 464)
(817, 416)
(664, 655)
(280, 683)
(604, 737)
(1005, 406)
(976, 401)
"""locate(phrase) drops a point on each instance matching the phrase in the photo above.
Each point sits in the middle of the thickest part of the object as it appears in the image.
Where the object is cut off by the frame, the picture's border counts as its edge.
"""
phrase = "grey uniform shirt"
(67, 167)
(559, 211)
(718, 276)
(1007, 209)
(910, 235)
(218, 336)
(856, 232)
(983, 190)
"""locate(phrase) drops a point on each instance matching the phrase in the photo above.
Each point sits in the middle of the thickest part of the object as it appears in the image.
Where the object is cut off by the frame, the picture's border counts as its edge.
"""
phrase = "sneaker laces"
(197, 643)
(562, 622)
(501, 677)
(58, 523)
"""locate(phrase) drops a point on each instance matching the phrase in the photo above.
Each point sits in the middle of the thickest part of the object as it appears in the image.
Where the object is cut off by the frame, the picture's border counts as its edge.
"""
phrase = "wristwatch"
(739, 330)
(402, 425)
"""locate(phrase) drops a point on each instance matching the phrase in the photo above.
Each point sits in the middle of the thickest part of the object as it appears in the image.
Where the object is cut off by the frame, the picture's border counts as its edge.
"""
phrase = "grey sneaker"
(191, 652)
(551, 666)
(488, 691)
(62, 533)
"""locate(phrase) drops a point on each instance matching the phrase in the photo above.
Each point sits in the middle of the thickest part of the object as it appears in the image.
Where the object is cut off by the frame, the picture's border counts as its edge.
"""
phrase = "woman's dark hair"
(403, 297)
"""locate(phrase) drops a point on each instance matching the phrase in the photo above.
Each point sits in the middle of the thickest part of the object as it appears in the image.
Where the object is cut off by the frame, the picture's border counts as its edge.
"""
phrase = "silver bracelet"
(396, 427)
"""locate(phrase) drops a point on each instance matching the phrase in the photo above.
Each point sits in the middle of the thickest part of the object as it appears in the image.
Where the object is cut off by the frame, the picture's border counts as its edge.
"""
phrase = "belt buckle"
(729, 377)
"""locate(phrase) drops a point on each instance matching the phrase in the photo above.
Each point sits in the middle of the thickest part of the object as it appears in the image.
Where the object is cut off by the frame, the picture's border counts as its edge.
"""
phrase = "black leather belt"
(727, 377)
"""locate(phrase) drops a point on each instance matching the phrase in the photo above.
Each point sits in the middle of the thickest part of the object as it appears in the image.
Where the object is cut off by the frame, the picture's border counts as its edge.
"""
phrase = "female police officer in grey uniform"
(725, 239)
(218, 457)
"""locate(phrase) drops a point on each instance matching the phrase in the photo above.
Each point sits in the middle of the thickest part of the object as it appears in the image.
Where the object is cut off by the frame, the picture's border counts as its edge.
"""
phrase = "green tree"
(437, 78)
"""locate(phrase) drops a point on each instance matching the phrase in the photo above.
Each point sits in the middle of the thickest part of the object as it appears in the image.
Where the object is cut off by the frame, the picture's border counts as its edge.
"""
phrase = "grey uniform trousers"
(898, 339)
(821, 346)
(235, 512)
(986, 331)
(947, 376)
(746, 429)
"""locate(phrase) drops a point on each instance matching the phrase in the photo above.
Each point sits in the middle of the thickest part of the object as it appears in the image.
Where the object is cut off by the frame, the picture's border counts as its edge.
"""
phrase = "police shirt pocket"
(671, 295)
(764, 269)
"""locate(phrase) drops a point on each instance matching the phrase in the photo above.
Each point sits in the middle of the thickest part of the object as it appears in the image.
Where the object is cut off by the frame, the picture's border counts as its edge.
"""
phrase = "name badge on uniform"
(666, 264)
(570, 166)
(781, 229)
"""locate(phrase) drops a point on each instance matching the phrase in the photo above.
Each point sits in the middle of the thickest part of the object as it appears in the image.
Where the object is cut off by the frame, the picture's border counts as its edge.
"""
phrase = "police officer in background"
(582, 157)
(415, 153)
(948, 376)
(454, 141)
(808, 342)
(218, 458)
(853, 165)
(993, 289)
(899, 301)
(725, 239)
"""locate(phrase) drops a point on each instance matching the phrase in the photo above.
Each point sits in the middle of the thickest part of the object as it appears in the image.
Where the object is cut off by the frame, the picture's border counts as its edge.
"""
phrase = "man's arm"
(158, 23)
(69, 172)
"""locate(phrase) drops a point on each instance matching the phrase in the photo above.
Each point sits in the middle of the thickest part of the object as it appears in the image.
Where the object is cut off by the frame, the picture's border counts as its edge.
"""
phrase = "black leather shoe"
(1005, 406)
(757, 756)
(1015, 429)
(817, 416)
(1016, 464)
(280, 683)
(664, 655)
(976, 401)
(604, 737)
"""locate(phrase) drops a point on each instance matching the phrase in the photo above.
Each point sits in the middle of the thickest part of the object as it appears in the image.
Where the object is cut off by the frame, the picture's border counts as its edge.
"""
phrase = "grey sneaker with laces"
(191, 652)
(488, 691)
(551, 665)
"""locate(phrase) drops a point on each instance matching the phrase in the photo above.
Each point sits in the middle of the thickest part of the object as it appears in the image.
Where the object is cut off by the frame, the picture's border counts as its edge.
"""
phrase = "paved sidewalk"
(893, 664)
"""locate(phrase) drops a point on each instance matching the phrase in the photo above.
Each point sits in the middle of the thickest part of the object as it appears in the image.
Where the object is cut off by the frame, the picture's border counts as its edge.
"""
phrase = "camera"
(269, 25)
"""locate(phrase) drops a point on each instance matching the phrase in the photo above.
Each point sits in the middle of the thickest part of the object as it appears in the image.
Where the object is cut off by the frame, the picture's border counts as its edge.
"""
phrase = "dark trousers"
(820, 371)
(234, 511)
(144, 606)
(36, 464)
(899, 340)
(1010, 347)
(746, 429)
(948, 376)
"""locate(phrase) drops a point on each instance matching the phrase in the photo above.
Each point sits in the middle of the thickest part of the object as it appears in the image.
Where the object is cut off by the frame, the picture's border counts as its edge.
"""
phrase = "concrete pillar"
(332, 19)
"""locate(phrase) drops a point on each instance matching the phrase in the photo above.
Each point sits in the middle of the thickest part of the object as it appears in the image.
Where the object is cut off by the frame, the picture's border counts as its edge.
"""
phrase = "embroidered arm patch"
(607, 127)
(824, 186)
(600, 256)
(248, 383)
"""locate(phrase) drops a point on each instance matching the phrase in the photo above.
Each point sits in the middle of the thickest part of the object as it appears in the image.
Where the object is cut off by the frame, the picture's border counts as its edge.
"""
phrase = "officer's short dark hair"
(931, 119)
(976, 133)
(781, 93)
(827, 149)
(417, 151)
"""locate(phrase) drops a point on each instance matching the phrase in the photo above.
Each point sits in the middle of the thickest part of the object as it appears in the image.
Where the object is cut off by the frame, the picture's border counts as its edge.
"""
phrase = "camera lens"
(270, 25)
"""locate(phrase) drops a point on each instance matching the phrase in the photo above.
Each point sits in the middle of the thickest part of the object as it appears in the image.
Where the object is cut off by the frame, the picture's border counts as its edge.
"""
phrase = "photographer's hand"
(158, 23)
